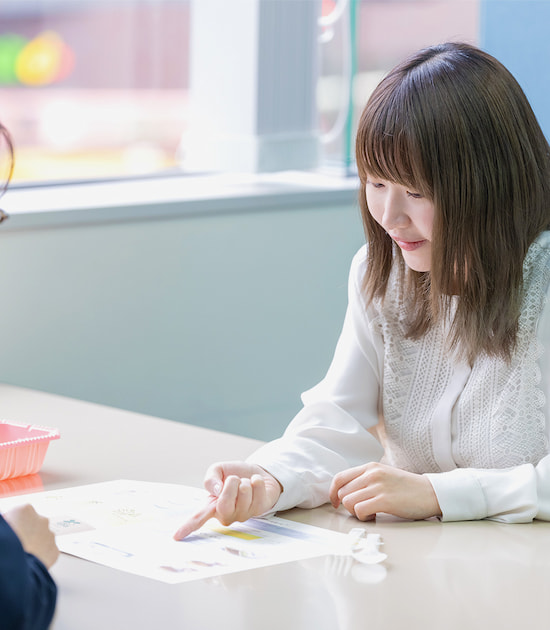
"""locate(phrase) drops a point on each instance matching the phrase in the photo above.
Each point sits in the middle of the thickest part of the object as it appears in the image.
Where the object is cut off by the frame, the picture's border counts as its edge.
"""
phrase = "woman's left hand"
(371, 488)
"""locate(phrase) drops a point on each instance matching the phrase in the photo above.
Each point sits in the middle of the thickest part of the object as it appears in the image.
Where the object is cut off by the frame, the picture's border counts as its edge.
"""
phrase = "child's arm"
(27, 591)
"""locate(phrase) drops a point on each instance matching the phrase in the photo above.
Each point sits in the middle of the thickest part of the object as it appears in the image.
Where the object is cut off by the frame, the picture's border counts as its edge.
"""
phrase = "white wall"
(216, 320)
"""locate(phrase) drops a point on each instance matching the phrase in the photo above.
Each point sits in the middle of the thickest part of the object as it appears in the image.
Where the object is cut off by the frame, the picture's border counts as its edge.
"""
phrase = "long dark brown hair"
(452, 123)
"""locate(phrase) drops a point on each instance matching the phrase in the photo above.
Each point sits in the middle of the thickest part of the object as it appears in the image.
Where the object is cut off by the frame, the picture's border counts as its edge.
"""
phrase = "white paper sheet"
(128, 525)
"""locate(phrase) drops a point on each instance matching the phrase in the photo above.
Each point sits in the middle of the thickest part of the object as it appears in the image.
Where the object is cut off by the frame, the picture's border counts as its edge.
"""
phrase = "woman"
(437, 402)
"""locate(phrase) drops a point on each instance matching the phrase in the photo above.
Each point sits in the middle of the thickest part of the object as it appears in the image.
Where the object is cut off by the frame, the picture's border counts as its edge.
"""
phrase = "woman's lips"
(409, 246)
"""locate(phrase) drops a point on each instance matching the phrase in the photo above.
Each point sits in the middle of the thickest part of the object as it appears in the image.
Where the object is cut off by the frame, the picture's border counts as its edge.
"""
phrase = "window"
(94, 89)
(370, 38)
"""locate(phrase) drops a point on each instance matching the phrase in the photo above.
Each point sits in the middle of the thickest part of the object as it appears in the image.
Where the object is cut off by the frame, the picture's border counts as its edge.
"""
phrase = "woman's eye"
(414, 195)
(375, 184)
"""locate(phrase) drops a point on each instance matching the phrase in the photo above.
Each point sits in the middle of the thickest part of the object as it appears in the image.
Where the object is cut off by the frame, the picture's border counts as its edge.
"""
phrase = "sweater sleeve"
(512, 495)
(332, 431)
(27, 591)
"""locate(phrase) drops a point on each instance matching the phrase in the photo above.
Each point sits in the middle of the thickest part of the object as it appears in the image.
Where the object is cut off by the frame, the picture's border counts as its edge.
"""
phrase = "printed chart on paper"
(128, 525)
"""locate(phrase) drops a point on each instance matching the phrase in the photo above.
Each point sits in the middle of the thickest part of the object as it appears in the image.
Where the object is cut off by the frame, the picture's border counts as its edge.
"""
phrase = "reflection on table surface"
(448, 575)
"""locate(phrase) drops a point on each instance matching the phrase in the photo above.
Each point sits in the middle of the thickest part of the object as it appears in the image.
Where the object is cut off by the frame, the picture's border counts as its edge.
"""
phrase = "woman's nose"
(395, 213)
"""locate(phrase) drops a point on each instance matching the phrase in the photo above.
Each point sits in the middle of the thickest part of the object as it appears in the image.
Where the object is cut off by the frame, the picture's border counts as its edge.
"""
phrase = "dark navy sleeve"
(27, 591)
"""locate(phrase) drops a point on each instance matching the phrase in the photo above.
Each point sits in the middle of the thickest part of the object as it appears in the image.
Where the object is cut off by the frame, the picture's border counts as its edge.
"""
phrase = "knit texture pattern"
(493, 420)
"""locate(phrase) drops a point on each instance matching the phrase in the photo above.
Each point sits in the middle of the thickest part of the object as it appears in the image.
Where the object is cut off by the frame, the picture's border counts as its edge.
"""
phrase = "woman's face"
(406, 216)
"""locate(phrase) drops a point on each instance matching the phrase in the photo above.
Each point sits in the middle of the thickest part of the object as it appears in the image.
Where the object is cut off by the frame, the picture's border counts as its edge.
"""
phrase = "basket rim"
(50, 433)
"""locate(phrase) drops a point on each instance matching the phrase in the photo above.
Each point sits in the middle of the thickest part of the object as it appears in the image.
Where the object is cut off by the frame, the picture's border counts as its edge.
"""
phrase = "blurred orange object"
(21, 485)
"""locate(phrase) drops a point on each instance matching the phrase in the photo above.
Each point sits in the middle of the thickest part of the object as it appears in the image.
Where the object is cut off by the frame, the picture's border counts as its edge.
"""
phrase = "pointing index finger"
(198, 519)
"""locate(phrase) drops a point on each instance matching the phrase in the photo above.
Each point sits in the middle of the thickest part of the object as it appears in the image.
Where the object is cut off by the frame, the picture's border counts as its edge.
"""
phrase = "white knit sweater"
(481, 434)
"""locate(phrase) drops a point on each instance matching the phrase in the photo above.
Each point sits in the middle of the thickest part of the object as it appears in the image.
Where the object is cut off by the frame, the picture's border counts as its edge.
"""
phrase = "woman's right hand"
(238, 491)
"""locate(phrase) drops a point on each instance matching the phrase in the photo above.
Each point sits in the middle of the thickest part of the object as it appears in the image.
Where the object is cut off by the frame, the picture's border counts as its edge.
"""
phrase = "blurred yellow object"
(45, 59)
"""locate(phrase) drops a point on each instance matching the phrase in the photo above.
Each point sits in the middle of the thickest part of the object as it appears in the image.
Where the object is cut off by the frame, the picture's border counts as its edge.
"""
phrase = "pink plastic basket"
(23, 448)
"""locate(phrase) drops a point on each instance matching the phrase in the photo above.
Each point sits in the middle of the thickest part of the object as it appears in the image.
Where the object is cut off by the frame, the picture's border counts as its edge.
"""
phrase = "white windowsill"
(172, 196)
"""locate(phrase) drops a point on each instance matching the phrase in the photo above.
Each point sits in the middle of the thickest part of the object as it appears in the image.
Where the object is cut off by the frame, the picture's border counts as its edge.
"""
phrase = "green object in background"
(349, 154)
(10, 47)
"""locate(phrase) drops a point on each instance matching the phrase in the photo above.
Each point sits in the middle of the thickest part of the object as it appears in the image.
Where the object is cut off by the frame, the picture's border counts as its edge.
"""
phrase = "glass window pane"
(385, 32)
(93, 88)
(99, 88)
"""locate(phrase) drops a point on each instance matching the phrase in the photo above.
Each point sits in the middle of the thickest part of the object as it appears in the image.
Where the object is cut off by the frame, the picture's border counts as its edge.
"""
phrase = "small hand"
(371, 488)
(34, 533)
(238, 491)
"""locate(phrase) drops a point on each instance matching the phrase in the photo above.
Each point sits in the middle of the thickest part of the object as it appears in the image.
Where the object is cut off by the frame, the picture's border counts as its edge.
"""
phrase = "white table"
(447, 575)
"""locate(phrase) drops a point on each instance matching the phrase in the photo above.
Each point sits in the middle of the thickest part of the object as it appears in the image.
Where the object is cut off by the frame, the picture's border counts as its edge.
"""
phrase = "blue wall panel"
(517, 32)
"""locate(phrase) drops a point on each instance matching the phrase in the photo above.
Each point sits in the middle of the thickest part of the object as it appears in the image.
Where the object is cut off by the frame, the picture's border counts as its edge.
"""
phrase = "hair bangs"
(387, 146)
